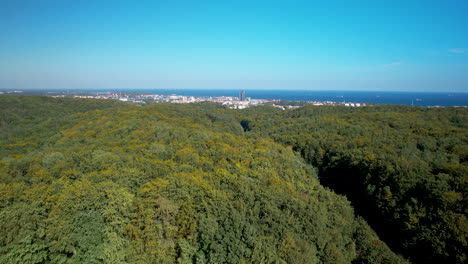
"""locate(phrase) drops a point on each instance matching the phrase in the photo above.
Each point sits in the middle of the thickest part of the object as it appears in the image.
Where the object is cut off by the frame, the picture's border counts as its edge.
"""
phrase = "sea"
(424, 99)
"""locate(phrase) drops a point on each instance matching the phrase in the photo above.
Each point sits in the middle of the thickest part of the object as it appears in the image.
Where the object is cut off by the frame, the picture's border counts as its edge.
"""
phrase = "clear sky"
(235, 44)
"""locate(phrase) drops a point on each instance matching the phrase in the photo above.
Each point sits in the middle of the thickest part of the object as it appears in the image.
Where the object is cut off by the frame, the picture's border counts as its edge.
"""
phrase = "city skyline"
(297, 45)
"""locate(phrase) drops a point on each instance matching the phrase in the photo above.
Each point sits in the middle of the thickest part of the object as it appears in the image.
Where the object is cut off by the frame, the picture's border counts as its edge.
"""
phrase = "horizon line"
(222, 89)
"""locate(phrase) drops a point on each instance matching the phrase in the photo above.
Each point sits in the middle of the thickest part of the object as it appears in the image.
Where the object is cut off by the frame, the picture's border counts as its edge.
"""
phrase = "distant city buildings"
(232, 102)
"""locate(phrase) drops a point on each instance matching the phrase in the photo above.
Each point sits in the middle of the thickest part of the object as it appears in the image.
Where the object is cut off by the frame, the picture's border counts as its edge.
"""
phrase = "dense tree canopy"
(403, 168)
(96, 181)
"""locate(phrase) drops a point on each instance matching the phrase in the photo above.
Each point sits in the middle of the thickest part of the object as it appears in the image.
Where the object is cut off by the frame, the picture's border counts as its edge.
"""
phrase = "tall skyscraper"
(242, 96)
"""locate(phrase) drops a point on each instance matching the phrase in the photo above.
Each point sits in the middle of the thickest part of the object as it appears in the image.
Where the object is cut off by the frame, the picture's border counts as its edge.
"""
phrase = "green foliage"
(166, 183)
(403, 168)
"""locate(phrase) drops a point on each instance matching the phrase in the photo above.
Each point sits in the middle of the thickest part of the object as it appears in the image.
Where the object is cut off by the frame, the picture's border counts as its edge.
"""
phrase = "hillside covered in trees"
(97, 181)
(404, 169)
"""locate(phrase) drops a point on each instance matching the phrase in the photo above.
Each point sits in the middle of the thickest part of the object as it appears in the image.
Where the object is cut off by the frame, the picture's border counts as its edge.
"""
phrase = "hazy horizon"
(187, 91)
(414, 46)
(104, 89)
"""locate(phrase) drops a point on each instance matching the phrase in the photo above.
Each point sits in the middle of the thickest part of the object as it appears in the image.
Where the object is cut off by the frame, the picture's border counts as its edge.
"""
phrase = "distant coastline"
(424, 99)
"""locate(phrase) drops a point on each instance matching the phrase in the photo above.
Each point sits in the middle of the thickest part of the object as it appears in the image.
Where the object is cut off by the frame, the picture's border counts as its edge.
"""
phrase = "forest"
(102, 181)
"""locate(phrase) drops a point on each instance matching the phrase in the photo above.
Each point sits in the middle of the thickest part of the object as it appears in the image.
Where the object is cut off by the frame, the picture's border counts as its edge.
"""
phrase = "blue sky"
(235, 44)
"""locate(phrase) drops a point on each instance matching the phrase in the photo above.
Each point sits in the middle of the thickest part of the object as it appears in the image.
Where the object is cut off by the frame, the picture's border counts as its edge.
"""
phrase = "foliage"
(164, 183)
(403, 168)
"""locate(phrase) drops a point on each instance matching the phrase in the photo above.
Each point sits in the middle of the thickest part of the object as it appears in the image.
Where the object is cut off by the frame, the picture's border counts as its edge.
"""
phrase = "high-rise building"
(242, 96)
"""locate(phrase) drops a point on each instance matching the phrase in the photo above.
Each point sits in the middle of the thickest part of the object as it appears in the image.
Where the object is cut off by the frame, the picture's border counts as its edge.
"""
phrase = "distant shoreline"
(424, 99)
